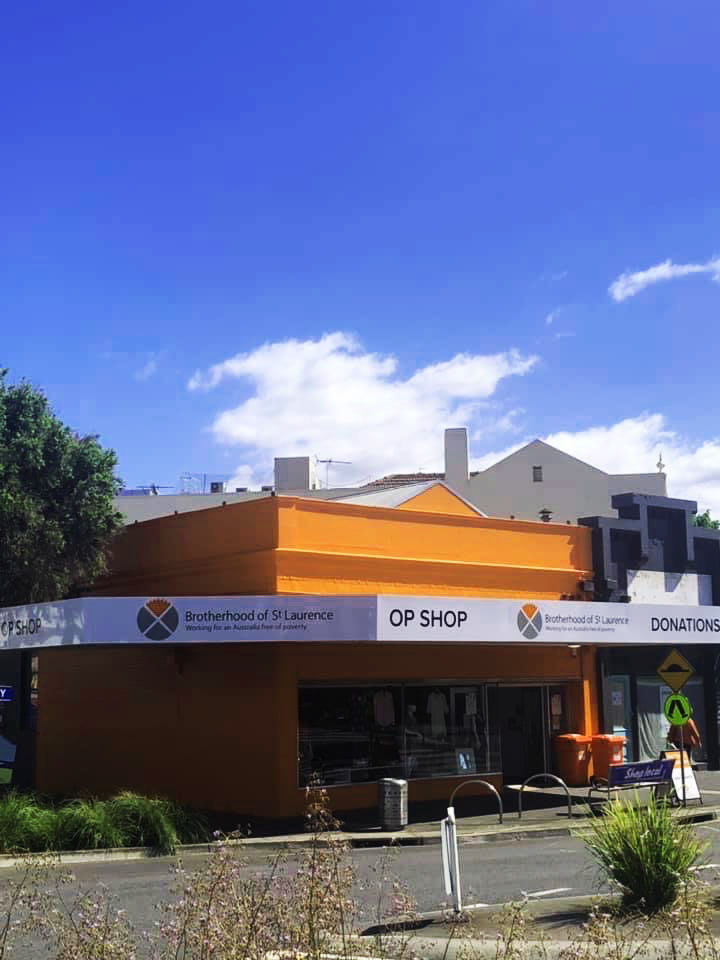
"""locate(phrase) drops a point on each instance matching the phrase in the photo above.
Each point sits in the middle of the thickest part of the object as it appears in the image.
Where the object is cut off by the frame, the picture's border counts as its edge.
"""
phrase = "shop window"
(357, 734)
(537, 474)
(349, 734)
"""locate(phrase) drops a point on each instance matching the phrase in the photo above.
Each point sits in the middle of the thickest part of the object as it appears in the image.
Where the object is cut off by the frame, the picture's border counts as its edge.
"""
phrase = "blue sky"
(185, 183)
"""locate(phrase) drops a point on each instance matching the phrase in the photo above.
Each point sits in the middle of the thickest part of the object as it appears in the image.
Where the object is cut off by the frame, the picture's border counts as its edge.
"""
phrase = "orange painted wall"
(224, 551)
(294, 545)
(216, 726)
(438, 499)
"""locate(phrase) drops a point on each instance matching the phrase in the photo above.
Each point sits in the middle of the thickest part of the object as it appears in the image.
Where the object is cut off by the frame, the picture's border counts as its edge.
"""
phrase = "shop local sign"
(631, 774)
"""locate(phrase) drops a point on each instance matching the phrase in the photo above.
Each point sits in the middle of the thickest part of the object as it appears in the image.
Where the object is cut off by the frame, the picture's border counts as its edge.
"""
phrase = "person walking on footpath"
(690, 737)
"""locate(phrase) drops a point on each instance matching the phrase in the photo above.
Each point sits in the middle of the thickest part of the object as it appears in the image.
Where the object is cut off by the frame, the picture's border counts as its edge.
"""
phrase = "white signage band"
(472, 620)
(355, 619)
(131, 620)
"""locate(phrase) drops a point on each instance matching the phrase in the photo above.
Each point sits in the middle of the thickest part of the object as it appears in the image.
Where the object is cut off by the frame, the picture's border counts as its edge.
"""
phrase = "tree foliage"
(705, 520)
(56, 513)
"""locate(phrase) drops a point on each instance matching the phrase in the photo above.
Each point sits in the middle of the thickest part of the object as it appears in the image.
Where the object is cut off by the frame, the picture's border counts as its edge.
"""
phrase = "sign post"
(682, 764)
(677, 712)
(675, 671)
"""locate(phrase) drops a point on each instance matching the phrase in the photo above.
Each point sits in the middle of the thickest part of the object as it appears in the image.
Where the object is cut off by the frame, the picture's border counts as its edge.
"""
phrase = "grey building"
(651, 552)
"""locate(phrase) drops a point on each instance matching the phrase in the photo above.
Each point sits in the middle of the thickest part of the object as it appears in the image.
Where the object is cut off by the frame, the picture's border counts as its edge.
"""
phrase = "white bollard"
(450, 860)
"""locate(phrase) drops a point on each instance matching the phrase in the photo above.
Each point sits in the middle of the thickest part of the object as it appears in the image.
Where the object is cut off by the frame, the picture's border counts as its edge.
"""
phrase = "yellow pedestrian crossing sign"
(677, 709)
(675, 670)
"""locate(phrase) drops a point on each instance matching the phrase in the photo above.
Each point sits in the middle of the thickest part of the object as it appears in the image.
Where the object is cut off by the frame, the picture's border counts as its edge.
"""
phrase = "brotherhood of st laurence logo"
(529, 621)
(157, 619)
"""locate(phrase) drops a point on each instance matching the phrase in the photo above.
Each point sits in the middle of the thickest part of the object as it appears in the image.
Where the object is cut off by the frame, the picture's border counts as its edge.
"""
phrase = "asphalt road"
(490, 873)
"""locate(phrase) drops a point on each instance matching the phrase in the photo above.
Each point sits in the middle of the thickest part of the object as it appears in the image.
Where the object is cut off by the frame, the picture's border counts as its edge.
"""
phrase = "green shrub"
(645, 850)
(127, 820)
(190, 826)
(86, 825)
(143, 821)
(25, 824)
(156, 822)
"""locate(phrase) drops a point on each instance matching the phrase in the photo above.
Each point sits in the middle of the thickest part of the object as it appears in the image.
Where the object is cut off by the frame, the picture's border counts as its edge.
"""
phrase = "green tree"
(56, 513)
(705, 520)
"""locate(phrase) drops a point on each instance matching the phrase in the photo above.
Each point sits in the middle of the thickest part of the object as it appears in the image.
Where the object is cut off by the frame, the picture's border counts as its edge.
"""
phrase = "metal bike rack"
(490, 787)
(545, 776)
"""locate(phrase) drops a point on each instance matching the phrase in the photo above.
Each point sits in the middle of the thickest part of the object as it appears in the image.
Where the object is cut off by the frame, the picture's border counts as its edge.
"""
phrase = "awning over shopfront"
(351, 619)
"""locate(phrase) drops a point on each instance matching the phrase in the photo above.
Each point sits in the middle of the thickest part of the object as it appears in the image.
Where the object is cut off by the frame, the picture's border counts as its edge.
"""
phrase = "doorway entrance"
(521, 720)
(620, 712)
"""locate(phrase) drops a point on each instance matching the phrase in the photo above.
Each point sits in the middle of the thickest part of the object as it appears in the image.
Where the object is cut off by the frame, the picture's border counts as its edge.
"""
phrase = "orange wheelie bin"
(607, 748)
(572, 758)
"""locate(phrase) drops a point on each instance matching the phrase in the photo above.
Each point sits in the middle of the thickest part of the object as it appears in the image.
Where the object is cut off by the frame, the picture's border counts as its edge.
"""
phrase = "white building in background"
(535, 478)
(540, 477)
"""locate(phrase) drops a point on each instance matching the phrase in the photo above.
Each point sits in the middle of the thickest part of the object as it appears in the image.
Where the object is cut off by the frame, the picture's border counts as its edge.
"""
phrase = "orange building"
(241, 725)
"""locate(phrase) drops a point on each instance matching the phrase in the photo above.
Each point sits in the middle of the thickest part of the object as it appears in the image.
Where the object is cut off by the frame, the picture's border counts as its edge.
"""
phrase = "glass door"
(522, 722)
(620, 712)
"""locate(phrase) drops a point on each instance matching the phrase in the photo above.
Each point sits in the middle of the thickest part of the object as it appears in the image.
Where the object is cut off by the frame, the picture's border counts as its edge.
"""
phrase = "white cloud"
(333, 398)
(148, 370)
(507, 423)
(242, 477)
(628, 284)
(633, 446)
(491, 422)
(628, 446)
(550, 320)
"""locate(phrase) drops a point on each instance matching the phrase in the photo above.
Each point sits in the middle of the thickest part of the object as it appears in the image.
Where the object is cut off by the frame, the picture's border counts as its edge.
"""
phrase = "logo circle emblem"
(157, 619)
(529, 621)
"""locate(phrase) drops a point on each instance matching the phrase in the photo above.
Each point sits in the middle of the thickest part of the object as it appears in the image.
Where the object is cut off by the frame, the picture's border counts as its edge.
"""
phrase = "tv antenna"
(327, 467)
(154, 488)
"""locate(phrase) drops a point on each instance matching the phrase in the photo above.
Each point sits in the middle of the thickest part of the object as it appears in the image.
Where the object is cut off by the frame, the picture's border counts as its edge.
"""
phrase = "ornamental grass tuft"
(26, 825)
(645, 851)
(86, 825)
(30, 825)
(144, 821)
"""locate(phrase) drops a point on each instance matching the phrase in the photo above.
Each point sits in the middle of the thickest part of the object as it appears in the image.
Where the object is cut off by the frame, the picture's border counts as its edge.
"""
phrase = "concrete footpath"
(544, 813)
(480, 829)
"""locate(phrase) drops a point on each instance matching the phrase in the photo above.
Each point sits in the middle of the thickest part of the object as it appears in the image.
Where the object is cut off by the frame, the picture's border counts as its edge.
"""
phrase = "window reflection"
(353, 734)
